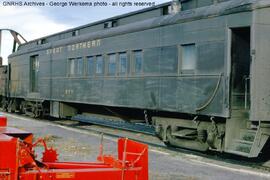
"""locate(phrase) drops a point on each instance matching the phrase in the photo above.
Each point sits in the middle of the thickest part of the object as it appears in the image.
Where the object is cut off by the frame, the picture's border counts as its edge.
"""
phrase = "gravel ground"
(83, 145)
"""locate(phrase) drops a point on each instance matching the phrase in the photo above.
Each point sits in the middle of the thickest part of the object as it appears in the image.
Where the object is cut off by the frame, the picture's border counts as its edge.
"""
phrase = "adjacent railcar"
(205, 62)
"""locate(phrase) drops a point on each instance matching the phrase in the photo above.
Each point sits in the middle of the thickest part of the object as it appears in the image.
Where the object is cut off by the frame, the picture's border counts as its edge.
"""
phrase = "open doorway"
(240, 68)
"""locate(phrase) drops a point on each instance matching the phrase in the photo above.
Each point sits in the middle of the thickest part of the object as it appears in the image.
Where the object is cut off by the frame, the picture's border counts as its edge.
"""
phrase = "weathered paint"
(161, 86)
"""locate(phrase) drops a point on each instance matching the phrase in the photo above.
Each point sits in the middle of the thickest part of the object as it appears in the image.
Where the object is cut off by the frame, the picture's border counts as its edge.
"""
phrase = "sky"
(34, 22)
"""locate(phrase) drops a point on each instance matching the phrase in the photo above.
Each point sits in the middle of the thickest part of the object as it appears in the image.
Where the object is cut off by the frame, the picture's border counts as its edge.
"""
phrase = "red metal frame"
(17, 160)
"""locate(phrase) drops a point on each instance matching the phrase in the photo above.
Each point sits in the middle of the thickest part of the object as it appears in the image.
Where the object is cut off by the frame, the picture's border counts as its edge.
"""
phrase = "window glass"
(90, 65)
(79, 66)
(138, 60)
(112, 64)
(71, 66)
(107, 24)
(75, 33)
(100, 65)
(189, 57)
(34, 70)
(122, 63)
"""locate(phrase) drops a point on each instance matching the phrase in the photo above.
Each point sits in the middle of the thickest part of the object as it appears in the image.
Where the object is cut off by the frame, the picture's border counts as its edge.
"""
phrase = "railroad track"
(147, 138)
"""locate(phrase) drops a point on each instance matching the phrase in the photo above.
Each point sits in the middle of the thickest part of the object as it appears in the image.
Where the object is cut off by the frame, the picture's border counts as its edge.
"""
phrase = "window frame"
(69, 67)
(42, 41)
(75, 67)
(94, 66)
(134, 62)
(75, 33)
(108, 64)
(110, 24)
(181, 58)
(80, 68)
(119, 64)
(103, 65)
(33, 73)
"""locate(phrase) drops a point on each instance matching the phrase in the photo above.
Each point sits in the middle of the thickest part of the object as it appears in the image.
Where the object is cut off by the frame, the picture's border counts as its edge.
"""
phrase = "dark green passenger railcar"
(204, 61)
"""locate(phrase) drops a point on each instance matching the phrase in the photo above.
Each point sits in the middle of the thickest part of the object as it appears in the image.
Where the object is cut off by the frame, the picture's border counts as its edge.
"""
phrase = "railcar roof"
(233, 4)
(110, 19)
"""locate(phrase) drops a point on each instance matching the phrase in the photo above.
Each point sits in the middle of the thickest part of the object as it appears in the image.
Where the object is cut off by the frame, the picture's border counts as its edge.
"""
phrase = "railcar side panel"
(162, 59)
(195, 63)
(260, 84)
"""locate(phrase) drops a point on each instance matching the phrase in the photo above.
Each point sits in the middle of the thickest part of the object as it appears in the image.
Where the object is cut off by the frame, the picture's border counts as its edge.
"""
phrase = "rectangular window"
(75, 33)
(41, 41)
(110, 24)
(72, 67)
(34, 73)
(114, 23)
(123, 63)
(112, 64)
(107, 24)
(189, 57)
(167, 10)
(90, 65)
(100, 65)
(138, 61)
(79, 66)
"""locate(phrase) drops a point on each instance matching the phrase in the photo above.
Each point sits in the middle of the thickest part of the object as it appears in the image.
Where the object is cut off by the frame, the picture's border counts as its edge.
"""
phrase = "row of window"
(109, 24)
(118, 63)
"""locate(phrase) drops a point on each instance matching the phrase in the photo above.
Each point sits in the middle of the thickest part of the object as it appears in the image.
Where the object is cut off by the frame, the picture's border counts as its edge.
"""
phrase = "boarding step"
(248, 142)
(239, 141)
(250, 125)
(186, 133)
(242, 146)
(247, 135)
(265, 125)
(238, 153)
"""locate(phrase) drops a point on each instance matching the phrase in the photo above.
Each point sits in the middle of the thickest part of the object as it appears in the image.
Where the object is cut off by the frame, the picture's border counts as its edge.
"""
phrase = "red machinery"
(18, 160)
